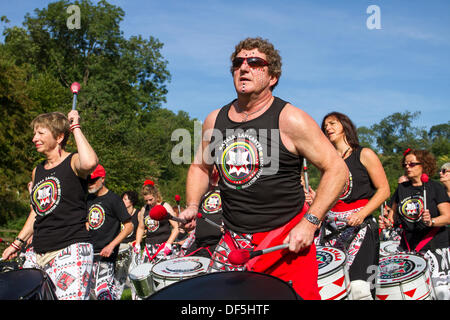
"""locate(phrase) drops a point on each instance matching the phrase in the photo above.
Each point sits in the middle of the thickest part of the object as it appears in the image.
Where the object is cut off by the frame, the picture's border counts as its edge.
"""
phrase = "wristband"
(75, 126)
(20, 240)
(15, 246)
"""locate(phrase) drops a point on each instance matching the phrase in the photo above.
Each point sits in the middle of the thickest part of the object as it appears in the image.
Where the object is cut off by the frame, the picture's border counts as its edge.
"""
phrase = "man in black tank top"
(257, 142)
(106, 212)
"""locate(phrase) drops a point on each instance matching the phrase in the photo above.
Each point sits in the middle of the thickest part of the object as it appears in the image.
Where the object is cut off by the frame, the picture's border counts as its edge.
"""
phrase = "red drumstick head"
(158, 213)
(177, 198)
(239, 256)
(424, 177)
(199, 215)
(75, 87)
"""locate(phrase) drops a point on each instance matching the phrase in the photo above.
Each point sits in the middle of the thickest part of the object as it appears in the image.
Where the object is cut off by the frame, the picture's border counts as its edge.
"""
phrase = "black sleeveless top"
(260, 179)
(157, 231)
(360, 185)
(59, 199)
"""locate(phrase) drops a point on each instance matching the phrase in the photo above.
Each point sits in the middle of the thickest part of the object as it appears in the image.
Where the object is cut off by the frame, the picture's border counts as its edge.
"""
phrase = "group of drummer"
(257, 143)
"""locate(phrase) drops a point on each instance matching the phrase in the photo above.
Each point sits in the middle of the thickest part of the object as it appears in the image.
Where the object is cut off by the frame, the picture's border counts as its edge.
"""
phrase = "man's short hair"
(264, 46)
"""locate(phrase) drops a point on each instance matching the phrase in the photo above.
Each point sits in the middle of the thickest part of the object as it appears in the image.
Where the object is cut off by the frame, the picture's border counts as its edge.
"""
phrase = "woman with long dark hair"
(350, 225)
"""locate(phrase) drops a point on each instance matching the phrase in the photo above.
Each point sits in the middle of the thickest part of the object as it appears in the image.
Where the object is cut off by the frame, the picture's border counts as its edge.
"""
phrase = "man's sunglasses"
(443, 171)
(253, 62)
(411, 164)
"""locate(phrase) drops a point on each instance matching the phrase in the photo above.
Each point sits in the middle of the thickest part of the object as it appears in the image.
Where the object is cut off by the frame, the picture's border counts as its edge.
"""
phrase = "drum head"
(20, 284)
(231, 285)
(181, 267)
(389, 247)
(399, 268)
(141, 271)
(329, 259)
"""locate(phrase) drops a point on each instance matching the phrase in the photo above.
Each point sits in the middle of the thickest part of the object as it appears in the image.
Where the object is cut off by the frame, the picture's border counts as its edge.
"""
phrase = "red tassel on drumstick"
(75, 88)
(242, 256)
(160, 213)
(177, 200)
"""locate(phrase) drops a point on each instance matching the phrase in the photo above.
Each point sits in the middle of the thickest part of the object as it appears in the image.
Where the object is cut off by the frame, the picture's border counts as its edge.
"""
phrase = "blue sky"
(331, 60)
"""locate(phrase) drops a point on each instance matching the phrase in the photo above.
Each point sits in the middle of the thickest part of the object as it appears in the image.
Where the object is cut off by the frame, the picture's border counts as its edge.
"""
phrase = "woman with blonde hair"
(160, 235)
(58, 197)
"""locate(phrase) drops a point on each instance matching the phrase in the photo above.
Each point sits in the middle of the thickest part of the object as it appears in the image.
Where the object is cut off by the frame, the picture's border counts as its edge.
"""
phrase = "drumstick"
(242, 256)
(305, 171)
(199, 215)
(424, 179)
(177, 200)
(159, 213)
(75, 88)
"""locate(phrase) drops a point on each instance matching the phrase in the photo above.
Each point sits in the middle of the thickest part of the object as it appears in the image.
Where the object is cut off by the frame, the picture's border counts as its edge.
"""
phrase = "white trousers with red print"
(70, 270)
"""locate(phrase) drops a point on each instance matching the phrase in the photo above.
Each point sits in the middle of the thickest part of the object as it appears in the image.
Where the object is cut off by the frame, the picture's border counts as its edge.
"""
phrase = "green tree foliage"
(123, 86)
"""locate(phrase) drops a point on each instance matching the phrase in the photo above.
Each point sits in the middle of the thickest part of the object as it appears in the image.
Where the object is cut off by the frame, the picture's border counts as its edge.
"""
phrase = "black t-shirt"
(410, 206)
(259, 177)
(359, 185)
(105, 214)
(211, 208)
(59, 199)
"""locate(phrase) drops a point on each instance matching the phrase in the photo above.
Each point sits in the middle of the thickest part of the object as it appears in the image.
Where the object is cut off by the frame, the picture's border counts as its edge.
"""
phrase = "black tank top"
(157, 231)
(360, 185)
(260, 179)
(59, 199)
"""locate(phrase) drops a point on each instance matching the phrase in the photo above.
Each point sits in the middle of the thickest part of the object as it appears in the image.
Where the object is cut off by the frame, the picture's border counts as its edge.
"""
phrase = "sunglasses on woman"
(411, 164)
(253, 62)
(443, 171)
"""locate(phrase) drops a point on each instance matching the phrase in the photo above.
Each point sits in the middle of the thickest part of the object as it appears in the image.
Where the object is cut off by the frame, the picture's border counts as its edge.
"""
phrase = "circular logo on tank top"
(241, 161)
(46, 195)
(212, 204)
(347, 188)
(152, 225)
(96, 216)
(411, 208)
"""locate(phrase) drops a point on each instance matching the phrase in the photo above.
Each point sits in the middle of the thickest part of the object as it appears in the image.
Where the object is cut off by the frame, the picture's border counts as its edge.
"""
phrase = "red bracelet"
(15, 246)
(74, 126)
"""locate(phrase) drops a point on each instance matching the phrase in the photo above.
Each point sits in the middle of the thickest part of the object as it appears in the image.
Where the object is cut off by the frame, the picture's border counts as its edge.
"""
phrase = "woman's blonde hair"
(151, 190)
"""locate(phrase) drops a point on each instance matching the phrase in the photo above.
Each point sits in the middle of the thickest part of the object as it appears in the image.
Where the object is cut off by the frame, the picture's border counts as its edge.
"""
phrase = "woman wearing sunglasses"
(350, 225)
(424, 227)
(444, 176)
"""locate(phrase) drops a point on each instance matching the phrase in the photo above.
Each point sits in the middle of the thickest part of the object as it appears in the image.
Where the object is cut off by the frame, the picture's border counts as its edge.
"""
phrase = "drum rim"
(181, 276)
(342, 264)
(131, 275)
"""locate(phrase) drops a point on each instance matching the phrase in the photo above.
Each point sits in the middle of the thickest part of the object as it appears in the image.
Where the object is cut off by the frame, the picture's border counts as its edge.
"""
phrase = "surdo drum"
(403, 277)
(170, 271)
(26, 284)
(123, 259)
(141, 279)
(228, 285)
(333, 278)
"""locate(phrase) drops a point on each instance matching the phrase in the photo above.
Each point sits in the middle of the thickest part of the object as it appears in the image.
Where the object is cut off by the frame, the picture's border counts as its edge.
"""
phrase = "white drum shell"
(413, 285)
(333, 278)
(165, 273)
